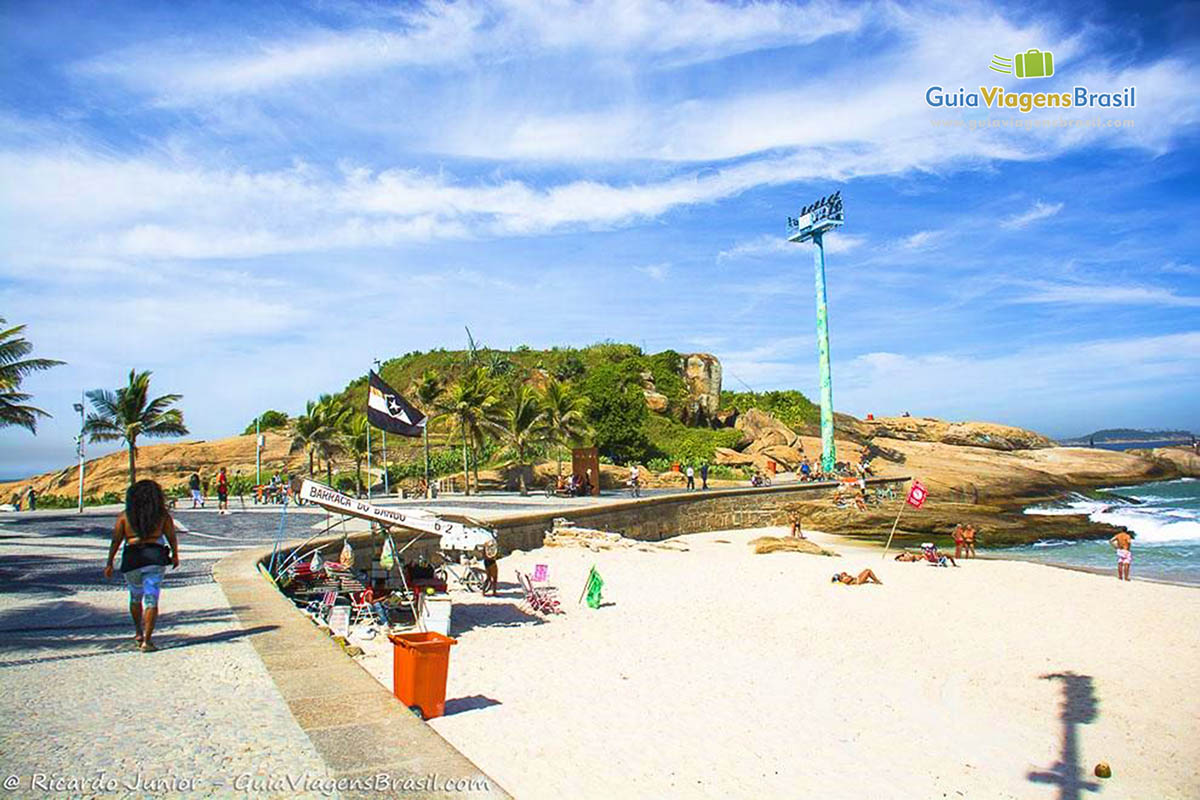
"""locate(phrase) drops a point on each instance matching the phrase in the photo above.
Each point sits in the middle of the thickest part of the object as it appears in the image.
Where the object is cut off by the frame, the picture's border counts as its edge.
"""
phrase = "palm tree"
(356, 439)
(520, 424)
(566, 422)
(317, 432)
(429, 389)
(305, 430)
(126, 414)
(469, 402)
(13, 369)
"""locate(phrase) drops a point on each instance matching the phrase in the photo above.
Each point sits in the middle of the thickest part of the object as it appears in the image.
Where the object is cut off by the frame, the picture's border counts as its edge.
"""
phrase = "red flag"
(917, 494)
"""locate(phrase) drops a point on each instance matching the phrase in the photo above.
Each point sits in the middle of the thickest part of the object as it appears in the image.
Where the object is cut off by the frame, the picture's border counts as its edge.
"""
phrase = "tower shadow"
(1079, 708)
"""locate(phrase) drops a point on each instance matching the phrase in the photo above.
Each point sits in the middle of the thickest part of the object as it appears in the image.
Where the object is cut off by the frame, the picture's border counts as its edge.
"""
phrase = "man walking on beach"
(969, 541)
(1124, 544)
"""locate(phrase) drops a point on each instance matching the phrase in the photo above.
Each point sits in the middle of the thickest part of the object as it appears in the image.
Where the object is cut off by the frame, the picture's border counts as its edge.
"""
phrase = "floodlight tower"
(815, 220)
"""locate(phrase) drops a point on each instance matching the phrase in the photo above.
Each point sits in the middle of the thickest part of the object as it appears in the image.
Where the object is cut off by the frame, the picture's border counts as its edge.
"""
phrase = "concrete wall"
(661, 517)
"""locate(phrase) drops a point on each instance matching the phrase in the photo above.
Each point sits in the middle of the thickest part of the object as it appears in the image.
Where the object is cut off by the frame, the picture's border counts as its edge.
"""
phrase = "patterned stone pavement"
(86, 714)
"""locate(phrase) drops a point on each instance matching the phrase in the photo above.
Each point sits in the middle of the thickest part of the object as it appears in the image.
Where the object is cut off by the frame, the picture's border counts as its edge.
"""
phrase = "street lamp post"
(814, 222)
(80, 451)
(258, 442)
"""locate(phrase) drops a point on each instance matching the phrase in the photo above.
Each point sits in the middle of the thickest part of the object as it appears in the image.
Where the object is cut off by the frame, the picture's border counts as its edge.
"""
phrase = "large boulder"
(759, 426)
(787, 457)
(724, 455)
(702, 376)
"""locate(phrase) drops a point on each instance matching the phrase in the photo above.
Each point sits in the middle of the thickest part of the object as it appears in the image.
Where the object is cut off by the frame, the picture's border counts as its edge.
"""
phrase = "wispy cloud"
(451, 34)
(767, 246)
(1106, 294)
(1038, 211)
(921, 240)
(657, 272)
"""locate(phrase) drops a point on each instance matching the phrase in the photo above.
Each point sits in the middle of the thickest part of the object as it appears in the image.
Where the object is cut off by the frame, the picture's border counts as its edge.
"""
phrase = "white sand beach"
(720, 673)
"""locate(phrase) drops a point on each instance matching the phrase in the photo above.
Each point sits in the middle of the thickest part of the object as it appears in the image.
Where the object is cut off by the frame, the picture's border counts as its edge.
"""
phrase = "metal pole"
(257, 453)
(378, 371)
(81, 452)
(368, 459)
(828, 448)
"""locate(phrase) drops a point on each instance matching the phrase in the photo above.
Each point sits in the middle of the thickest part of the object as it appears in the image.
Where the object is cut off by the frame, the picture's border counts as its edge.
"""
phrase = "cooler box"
(420, 662)
(433, 613)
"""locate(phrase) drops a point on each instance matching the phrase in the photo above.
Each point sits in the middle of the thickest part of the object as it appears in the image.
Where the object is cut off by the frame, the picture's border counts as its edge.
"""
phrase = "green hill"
(614, 377)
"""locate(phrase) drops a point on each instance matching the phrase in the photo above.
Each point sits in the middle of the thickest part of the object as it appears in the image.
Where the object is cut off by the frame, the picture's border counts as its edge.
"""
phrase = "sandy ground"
(720, 673)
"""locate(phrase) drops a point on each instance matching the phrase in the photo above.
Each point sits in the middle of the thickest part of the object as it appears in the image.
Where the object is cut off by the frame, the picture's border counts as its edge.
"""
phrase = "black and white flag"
(388, 411)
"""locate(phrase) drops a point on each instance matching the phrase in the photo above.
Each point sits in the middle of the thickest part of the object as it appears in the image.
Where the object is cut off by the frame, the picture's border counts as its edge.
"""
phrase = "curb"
(370, 742)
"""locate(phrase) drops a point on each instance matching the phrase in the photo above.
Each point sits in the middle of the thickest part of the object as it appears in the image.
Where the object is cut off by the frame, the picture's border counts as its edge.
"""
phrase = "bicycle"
(473, 577)
(635, 488)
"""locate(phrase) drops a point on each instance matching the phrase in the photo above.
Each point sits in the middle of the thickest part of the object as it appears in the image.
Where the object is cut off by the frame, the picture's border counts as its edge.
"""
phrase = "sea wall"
(660, 517)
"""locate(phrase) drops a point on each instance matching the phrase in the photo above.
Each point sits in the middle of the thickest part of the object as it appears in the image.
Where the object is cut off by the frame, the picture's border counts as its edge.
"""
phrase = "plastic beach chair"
(544, 600)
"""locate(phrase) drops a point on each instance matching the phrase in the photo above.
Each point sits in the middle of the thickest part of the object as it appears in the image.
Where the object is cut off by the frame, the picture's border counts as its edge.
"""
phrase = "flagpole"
(368, 437)
(386, 490)
(893, 533)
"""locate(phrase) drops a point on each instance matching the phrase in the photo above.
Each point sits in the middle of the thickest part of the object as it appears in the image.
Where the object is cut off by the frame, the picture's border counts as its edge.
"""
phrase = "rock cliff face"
(702, 375)
(967, 434)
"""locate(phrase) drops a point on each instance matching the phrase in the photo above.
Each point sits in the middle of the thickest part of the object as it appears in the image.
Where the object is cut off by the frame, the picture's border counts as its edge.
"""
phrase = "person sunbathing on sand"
(907, 556)
(866, 576)
(930, 553)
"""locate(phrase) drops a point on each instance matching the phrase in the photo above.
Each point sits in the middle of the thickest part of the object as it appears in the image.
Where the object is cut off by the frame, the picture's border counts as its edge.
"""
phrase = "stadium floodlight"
(815, 220)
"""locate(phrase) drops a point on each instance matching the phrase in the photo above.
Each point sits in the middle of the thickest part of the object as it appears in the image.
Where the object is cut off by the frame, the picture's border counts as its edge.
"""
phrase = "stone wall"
(661, 517)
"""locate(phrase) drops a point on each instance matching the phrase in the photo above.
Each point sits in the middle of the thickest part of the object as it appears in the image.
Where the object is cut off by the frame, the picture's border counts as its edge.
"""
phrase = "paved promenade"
(87, 714)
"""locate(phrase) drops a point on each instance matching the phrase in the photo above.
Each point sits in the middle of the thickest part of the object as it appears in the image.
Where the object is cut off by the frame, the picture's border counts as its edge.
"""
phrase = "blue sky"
(254, 201)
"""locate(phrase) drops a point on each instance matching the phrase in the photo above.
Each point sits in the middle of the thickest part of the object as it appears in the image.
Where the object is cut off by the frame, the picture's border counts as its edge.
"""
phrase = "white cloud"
(1038, 211)
(1105, 294)
(657, 272)
(766, 245)
(921, 240)
(454, 34)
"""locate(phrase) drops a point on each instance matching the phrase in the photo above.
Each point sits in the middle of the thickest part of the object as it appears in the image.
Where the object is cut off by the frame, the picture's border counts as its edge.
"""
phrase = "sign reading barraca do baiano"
(1032, 63)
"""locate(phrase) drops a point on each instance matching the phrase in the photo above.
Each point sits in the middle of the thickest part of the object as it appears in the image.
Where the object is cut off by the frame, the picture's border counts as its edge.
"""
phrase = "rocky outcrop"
(656, 401)
(760, 429)
(702, 376)
(965, 434)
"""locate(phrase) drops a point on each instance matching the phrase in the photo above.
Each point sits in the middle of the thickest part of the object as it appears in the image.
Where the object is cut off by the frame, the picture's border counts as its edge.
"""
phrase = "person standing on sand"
(1124, 544)
(491, 555)
(958, 540)
(222, 492)
(969, 541)
(194, 485)
(691, 478)
(147, 531)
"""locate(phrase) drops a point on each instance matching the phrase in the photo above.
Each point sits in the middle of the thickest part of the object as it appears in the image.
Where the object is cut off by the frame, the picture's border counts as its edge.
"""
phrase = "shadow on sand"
(475, 702)
(468, 616)
(1079, 707)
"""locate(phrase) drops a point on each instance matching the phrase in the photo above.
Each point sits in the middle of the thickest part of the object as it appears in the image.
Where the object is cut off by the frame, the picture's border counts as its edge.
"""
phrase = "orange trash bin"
(420, 662)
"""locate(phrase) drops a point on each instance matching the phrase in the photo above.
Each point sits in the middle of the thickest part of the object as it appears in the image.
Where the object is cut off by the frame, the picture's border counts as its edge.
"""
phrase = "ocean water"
(1164, 518)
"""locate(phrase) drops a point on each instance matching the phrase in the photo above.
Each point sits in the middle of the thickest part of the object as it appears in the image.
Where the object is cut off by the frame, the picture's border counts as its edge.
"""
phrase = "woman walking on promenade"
(146, 529)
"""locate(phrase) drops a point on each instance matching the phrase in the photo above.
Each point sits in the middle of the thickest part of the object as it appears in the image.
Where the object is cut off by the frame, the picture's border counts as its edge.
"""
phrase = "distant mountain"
(1112, 435)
